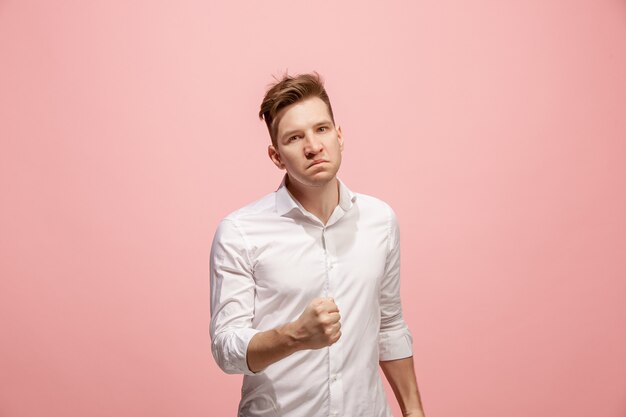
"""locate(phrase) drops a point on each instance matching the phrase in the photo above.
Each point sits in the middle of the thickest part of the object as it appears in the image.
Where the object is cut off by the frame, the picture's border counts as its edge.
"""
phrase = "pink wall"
(496, 129)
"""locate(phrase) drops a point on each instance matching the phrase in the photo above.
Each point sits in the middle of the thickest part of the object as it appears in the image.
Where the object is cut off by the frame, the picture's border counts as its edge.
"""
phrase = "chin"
(317, 180)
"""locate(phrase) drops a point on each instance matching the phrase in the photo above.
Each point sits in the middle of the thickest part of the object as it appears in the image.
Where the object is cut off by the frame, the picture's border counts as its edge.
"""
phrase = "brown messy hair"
(287, 91)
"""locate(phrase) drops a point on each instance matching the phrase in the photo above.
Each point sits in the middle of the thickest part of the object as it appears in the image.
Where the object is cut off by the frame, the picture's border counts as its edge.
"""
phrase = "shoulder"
(375, 206)
(237, 221)
(379, 214)
(261, 206)
(230, 232)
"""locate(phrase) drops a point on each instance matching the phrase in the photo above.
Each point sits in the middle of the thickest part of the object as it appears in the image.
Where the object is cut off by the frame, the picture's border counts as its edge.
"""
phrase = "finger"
(335, 338)
(330, 306)
(332, 329)
(334, 318)
(317, 301)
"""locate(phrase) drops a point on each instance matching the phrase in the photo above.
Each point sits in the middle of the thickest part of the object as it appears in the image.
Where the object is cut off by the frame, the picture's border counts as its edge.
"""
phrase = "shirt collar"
(285, 202)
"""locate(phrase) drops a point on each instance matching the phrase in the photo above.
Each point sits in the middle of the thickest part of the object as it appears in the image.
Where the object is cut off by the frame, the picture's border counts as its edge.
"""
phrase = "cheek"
(289, 159)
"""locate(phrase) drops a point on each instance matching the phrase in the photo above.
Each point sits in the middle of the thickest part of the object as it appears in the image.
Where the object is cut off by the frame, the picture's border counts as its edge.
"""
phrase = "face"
(308, 143)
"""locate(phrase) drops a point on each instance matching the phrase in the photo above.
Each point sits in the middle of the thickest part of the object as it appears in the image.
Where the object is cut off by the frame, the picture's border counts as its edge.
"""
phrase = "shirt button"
(333, 378)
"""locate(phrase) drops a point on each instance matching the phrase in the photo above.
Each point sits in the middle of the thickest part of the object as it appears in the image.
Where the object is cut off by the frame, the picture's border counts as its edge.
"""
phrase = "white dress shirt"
(269, 259)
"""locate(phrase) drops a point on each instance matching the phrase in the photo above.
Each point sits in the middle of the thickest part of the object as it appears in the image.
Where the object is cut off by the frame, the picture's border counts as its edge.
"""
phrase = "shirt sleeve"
(394, 340)
(232, 299)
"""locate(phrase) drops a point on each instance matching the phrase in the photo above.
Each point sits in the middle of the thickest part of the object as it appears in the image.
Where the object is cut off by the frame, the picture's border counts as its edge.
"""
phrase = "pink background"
(496, 129)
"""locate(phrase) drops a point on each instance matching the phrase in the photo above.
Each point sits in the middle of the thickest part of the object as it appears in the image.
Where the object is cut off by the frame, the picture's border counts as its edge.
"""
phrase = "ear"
(275, 156)
(340, 138)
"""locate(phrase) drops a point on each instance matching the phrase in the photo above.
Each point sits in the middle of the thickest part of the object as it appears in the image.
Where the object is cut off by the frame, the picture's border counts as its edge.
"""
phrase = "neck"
(319, 201)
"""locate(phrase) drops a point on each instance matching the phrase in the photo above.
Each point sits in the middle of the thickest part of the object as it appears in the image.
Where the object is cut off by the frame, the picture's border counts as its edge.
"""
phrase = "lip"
(317, 162)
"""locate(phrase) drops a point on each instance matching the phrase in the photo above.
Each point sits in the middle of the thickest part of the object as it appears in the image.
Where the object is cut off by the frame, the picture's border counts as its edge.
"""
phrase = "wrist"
(291, 336)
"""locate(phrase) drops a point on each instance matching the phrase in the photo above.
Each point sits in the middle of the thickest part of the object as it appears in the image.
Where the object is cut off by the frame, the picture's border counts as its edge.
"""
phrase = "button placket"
(335, 384)
(327, 292)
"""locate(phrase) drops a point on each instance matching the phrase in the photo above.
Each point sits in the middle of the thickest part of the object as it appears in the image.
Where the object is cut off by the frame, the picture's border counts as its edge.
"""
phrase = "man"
(305, 282)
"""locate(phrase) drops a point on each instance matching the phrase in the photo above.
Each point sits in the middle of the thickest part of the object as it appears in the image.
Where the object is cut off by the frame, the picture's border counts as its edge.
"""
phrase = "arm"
(395, 340)
(318, 326)
(236, 346)
(401, 377)
(232, 298)
(270, 346)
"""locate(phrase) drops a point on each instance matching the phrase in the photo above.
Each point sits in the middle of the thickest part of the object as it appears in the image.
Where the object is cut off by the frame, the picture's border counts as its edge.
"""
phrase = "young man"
(305, 282)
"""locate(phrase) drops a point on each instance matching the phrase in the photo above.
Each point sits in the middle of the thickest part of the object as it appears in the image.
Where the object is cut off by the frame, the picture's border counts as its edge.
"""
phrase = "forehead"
(303, 114)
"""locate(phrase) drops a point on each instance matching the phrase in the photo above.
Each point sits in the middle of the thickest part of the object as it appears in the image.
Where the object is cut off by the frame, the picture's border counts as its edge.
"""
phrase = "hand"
(318, 326)
(413, 413)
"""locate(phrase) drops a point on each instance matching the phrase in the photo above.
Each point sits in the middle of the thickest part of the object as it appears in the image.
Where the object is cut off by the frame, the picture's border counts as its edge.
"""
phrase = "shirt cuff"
(231, 351)
(397, 344)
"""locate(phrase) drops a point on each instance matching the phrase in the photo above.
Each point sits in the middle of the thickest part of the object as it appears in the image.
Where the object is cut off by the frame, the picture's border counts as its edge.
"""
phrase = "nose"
(312, 145)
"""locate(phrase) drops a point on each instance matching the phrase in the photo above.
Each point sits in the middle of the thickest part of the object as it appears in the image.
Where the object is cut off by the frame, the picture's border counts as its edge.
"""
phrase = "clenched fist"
(318, 326)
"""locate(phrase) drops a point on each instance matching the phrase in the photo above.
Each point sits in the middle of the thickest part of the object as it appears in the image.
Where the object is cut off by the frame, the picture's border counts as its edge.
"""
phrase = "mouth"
(320, 161)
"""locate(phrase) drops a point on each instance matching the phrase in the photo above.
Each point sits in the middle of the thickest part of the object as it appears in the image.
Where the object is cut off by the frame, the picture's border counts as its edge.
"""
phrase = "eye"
(322, 129)
(292, 139)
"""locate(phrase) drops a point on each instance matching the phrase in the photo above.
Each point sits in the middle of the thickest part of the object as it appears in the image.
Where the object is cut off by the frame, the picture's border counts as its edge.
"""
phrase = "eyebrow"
(291, 132)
